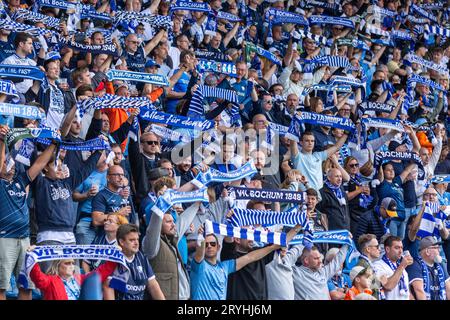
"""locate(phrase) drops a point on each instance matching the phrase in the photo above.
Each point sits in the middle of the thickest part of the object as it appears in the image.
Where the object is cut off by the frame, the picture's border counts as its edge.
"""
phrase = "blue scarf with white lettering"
(239, 193)
(59, 4)
(153, 115)
(109, 49)
(249, 234)
(383, 123)
(16, 134)
(208, 55)
(331, 20)
(22, 111)
(88, 145)
(281, 17)
(88, 252)
(157, 79)
(23, 72)
(412, 58)
(171, 135)
(428, 82)
(375, 106)
(190, 6)
(228, 68)
(335, 6)
(212, 175)
(172, 197)
(427, 280)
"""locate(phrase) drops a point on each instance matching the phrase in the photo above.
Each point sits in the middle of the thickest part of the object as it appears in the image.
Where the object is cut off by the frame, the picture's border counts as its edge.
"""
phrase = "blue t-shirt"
(444, 199)
(209, 282)
(341, 281)
(136, 61)
(96, 177)
(140, 274)
(14, 216)
(107, 201)
(415, 272)
(180, 86)
(393, 190)
(6, 49)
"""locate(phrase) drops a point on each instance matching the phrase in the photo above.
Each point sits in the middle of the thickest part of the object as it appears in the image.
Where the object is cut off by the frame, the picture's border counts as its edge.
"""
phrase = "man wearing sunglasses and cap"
(377, 221)
(428, 279)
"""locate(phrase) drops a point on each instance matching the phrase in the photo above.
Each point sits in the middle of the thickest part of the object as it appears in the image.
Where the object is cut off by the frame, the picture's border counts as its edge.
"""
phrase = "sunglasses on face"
(212, 244)
(354, 165)
(151, 143)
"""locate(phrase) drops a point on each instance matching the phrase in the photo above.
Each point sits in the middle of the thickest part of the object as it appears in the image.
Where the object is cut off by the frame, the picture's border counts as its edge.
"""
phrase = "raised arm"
(335, 264)
(391, 282)
(414, 228)
(3, 132)
(152, 239)
(230, 35)
(254, 256)
(154, 42)
(337, 146)
(41, 162)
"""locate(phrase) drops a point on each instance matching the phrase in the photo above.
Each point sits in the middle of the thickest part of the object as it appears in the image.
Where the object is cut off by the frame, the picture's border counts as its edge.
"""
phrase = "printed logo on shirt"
(19, 194)
(59, 193)
(136, 288)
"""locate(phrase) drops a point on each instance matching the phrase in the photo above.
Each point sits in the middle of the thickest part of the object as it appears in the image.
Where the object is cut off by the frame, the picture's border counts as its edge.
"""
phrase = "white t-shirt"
(382, 269)
(14, 59)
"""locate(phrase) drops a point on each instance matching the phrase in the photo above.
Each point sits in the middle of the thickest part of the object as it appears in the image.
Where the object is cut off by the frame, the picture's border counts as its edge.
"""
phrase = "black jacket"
(338, 215)
(369, 223)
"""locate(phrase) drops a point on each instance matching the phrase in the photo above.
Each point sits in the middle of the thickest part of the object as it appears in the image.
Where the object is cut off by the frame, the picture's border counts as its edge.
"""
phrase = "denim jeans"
(398, 228)
(85, 232)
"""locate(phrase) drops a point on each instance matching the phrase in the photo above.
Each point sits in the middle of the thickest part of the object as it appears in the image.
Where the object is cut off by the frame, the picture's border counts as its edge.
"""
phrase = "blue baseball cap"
(151, 63)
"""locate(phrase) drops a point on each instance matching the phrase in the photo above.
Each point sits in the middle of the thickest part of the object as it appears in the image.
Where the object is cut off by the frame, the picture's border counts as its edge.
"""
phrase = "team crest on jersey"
(140, 269)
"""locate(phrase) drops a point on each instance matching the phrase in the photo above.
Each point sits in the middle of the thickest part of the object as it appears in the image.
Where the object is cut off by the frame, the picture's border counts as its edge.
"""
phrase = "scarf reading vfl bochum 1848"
(109, 49)
(227, 230)
(240, 193)
(22, 111)
(89, 252)
(228, 68)
(109, 101)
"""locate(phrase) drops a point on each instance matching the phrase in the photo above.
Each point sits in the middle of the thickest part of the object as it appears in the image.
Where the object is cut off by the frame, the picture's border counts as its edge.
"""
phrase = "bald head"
(335, 177)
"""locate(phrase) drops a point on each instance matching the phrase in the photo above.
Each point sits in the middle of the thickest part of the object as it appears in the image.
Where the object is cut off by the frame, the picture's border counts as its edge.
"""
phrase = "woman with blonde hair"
(62, 282)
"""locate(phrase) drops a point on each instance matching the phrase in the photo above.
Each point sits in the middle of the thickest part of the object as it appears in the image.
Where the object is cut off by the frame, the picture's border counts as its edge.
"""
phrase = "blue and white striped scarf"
(157, 79)
(431, 215)
(416, 20)
(249, 234)
(196, 106)
(436, 30)
(251, 217)
(34, 17)
(21, 27)
(423, 13)
(376, 30)
(171, 135)
(331, 20)
(428, 82)
(332, 61)
(412, 58)
(153, 115)
(212, 175)
(86, 252)
(87, 11)
(319, 40)
(382, 11)
(171, 197)
(109, 101)
(382, 156)
(335, 80)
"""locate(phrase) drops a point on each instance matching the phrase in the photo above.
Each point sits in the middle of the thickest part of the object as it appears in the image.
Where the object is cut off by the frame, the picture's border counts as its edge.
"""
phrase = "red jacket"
(52, 286)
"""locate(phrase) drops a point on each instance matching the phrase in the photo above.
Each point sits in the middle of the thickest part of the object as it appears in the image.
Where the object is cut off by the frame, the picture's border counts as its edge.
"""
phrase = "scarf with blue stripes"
(228, 68)
(21, 27)
(203, 91)
(249, 234)
(416, 9)
(213, 175)
(412, 58)
(240, 193)
(375, 106)
(36, 17)
(431, 215)
(275, 16)
(109, 49)
(109, 101)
